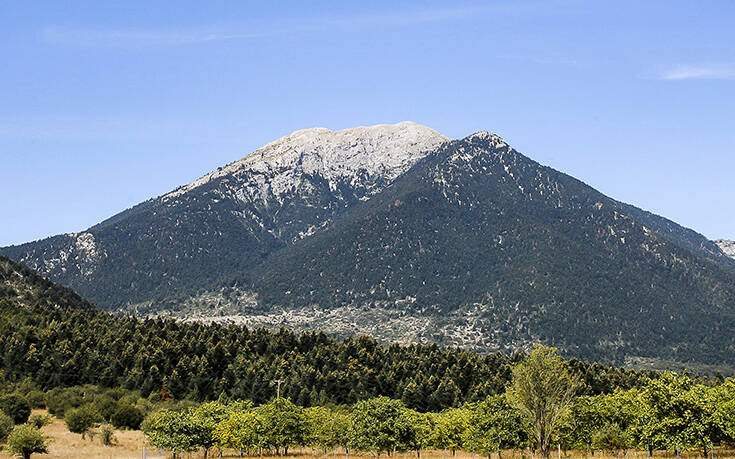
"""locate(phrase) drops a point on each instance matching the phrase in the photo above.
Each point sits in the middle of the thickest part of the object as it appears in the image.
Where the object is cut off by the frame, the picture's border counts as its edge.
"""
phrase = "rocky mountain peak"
(485, 136)
(385, 150)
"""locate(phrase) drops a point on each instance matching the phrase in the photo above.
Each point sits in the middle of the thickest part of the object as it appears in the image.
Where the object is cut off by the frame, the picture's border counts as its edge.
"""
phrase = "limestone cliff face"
(727, 247)
(361, 157)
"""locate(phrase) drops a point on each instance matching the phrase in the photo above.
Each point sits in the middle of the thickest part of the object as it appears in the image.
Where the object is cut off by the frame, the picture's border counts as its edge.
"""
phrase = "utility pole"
(278, 387)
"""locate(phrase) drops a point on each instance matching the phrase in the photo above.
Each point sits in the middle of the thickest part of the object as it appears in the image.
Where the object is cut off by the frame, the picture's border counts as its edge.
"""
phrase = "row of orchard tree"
(540, 410)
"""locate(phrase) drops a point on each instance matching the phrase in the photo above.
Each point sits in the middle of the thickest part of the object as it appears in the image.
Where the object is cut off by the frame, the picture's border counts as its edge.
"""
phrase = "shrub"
(107, 435)
(105, 406)
(115, 392)
(59, 401)
(16, 406)
(39, 420)
(6, 425)
(36, 399)
(26, 440)
(127, 417)
(80, 420)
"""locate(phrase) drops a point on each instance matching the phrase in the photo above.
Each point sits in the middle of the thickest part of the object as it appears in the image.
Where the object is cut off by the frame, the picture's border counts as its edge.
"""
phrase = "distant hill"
(400, 233)
(21, 286)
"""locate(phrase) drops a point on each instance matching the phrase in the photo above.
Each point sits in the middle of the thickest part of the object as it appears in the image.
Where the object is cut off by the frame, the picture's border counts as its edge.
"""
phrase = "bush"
(39, 420)
(115, 392)
(59, 401)
(26, 440)
(107, 435)
(36, 399)
(127, 417)
(105, 406)
(16, 406)
(6, 425)
(80, 420)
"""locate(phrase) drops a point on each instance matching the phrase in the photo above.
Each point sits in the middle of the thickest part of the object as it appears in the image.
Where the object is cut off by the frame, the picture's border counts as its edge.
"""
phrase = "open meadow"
(65, 444)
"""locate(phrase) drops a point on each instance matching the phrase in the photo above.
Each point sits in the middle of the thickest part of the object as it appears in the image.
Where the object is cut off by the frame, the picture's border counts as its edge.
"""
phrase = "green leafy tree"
(60, 400)
(324, 428)
(341, 426)
(379, 425)
(171, 430)
(622, 407)
(204, 419)
(80, 420)
(421, 425)
(577, 428)
(588, 414)
(240, 430)
(494, 425)
(16, 406)
(678, 413)
(449, 429)
(724, 416)
(611, 438)
(543, 390)
(282, 424)
(26, 440)
(315, 421)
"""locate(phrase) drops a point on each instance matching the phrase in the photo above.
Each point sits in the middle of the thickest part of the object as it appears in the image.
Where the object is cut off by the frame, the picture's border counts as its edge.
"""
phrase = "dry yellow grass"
(130, 446)
(68, 445)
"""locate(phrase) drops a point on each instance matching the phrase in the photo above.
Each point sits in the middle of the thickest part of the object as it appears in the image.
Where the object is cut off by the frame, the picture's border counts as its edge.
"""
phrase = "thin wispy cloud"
(138, 37)
(699, 72)
(173, 36)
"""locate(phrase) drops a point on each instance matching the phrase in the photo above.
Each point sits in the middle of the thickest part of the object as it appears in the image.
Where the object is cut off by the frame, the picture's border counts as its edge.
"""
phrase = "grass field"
(130, 446)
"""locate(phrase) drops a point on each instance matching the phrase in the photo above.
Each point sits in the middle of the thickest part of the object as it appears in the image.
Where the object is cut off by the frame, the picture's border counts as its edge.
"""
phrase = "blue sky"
(106, 104)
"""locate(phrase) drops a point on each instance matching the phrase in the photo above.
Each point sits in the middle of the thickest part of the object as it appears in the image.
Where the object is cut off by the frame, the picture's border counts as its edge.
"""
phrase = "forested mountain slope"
(56, 340)
(480, 246)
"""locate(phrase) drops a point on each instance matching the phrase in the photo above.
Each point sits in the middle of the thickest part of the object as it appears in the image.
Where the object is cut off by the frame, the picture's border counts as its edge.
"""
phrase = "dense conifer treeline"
(58, 340)
(59, 347)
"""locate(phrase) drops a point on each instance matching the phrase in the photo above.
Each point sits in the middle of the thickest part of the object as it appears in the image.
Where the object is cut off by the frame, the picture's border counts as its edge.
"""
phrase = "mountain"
(727, 247)
(231, 219)
(398, 232)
